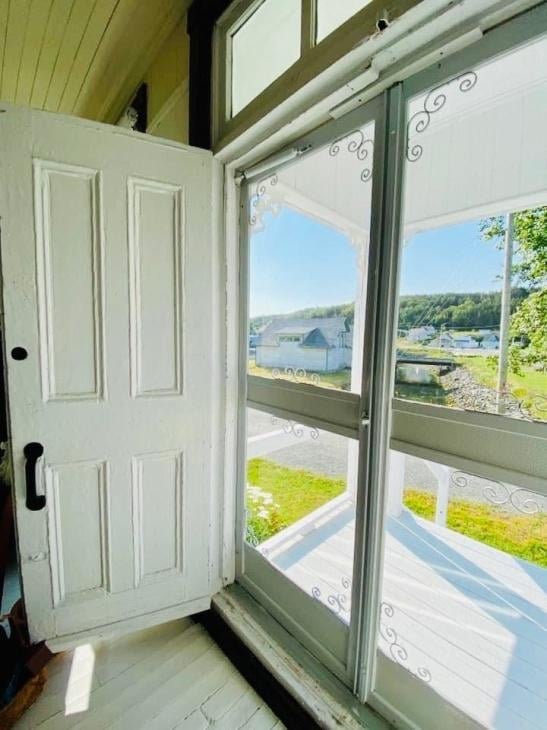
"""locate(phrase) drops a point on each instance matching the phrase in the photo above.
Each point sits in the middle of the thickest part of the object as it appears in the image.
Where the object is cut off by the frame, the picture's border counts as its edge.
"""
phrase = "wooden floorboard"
(170, 676)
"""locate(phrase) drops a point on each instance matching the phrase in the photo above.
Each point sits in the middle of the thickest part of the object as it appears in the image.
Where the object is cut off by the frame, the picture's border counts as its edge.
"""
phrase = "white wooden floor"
(172, 676)
(471, 620)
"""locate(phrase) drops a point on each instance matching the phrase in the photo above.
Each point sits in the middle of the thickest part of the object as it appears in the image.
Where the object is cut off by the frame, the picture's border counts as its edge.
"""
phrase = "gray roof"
(317, 332)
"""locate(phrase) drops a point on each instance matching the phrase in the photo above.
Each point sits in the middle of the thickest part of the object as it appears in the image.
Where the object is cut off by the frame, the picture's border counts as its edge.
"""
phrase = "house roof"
(316, 332)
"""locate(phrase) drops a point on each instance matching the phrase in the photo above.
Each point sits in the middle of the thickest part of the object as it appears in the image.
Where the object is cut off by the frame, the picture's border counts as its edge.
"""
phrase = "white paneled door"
(108, 268)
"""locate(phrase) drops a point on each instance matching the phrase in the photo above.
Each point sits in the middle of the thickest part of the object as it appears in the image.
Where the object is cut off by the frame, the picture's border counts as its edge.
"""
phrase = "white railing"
(396, 486)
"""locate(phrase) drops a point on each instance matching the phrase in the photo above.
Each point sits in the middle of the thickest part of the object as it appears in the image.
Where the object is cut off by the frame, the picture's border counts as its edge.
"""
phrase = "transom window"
(267, 48)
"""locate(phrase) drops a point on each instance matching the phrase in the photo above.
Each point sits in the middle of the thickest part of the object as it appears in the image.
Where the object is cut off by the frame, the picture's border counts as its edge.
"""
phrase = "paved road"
(328, 455)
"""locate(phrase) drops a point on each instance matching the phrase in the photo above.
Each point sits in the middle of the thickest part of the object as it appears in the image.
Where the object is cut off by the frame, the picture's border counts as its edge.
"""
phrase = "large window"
(394, 463)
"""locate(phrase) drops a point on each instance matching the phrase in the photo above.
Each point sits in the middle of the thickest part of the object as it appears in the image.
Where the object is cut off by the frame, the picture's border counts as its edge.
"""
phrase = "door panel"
(107, 256)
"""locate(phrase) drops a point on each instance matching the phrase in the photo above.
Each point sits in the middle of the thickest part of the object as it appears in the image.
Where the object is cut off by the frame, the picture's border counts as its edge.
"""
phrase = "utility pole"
(505, 321)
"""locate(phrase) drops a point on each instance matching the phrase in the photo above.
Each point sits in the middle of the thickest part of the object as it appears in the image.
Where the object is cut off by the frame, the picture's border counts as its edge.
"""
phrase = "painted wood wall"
(87, 57)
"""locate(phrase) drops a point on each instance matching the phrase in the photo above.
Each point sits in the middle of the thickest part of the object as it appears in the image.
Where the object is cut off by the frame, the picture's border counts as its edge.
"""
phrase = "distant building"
(490, 342)
(464, 342)
(316, 345)
(419, 334)
(444, 340)
(454, 341)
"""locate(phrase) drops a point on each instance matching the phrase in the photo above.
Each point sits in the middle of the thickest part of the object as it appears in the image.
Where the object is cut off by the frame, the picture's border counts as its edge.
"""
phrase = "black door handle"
(33, 452)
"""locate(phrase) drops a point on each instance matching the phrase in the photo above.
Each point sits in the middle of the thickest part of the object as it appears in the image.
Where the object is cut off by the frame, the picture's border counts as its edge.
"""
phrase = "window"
(330, 14)
(263, 47)
(271, 49)
(465, 528)
(309, 258)
(396, 500)
(289, 338)
(308, 251)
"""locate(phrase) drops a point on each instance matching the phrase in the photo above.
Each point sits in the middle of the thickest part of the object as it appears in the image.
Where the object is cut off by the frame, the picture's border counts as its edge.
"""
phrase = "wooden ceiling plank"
(96, 28)
(131, 33)
(36, 28)
(15, 39)
(58, 19)
(75, 30)
(4, 11)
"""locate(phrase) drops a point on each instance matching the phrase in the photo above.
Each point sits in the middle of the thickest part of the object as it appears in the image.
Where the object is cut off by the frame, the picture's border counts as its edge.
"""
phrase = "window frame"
(339, 412)
(502, 37)
(315, 58)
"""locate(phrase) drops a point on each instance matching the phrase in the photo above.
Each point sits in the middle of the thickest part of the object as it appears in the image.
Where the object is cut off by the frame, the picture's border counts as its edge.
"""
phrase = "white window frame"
(315, 57)
(250, 147)
(340, 412)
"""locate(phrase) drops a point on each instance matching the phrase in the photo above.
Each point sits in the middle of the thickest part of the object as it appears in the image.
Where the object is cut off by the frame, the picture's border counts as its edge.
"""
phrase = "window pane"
(332, 14)
(309, 238)
(300, 500)
(475, 241)
(464, 593)
(265, 46)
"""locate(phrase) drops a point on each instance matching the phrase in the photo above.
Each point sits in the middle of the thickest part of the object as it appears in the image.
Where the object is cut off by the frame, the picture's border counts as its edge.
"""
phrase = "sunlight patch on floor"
(80, 681)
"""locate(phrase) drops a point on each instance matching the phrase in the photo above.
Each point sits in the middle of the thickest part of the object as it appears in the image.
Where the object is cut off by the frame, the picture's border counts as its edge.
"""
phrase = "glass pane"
(464, 595)
(473, 293)
(332, 14)
(309, 238)
(300, 501)
(265, 46)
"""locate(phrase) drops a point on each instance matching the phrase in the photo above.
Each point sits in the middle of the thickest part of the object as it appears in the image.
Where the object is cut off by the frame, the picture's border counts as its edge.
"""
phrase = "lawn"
(340, 379)
(278, 496)
(522, 536)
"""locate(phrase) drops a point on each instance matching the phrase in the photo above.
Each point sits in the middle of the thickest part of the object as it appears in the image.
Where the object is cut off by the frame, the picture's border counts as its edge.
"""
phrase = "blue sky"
(297, 262)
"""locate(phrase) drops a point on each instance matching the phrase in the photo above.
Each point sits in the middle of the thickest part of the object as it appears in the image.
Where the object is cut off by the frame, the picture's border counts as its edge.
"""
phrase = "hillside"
(460, 311)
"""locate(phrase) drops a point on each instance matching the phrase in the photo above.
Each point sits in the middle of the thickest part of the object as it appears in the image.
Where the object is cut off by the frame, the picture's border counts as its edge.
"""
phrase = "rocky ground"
(465, 392)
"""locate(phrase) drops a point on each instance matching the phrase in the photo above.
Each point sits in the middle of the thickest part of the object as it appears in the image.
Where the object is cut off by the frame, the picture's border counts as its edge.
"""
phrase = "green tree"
(529, 321)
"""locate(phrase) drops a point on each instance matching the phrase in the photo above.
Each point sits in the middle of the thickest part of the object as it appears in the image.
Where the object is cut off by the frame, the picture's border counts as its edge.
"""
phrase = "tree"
(529, 321)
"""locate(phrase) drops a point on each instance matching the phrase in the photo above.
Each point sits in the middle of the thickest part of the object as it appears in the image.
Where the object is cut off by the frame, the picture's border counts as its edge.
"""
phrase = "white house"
(444, 340)
(319, 345)
(490, 341)
(464, 342)
(419, 334)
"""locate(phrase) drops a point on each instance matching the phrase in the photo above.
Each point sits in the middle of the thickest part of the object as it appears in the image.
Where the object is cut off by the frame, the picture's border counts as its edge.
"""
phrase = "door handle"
(33, 452)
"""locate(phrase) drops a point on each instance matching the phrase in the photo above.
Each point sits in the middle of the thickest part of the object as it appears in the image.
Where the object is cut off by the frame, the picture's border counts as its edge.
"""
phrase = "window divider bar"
(308, 26)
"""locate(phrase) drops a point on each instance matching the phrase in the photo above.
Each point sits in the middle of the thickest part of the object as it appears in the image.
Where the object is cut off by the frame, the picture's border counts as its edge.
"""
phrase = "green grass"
(294, 493)
(340, 379)
(278, 496)
(522, 536)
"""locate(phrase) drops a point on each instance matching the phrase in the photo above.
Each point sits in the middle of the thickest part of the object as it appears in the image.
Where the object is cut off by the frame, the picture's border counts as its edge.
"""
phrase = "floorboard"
(170, 676)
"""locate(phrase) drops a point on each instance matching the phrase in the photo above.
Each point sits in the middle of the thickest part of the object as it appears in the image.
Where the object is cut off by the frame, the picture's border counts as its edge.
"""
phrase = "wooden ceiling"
(82, 57)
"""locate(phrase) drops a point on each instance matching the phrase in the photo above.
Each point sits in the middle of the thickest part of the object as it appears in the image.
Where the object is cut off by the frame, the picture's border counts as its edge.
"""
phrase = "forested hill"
(477, 309)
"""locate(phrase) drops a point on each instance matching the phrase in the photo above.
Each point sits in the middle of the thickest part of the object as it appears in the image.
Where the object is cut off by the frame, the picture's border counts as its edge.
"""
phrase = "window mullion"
(308, 26)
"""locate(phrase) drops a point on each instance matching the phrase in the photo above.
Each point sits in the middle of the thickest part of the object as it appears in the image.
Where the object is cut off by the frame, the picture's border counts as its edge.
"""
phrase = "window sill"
(324, 697)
